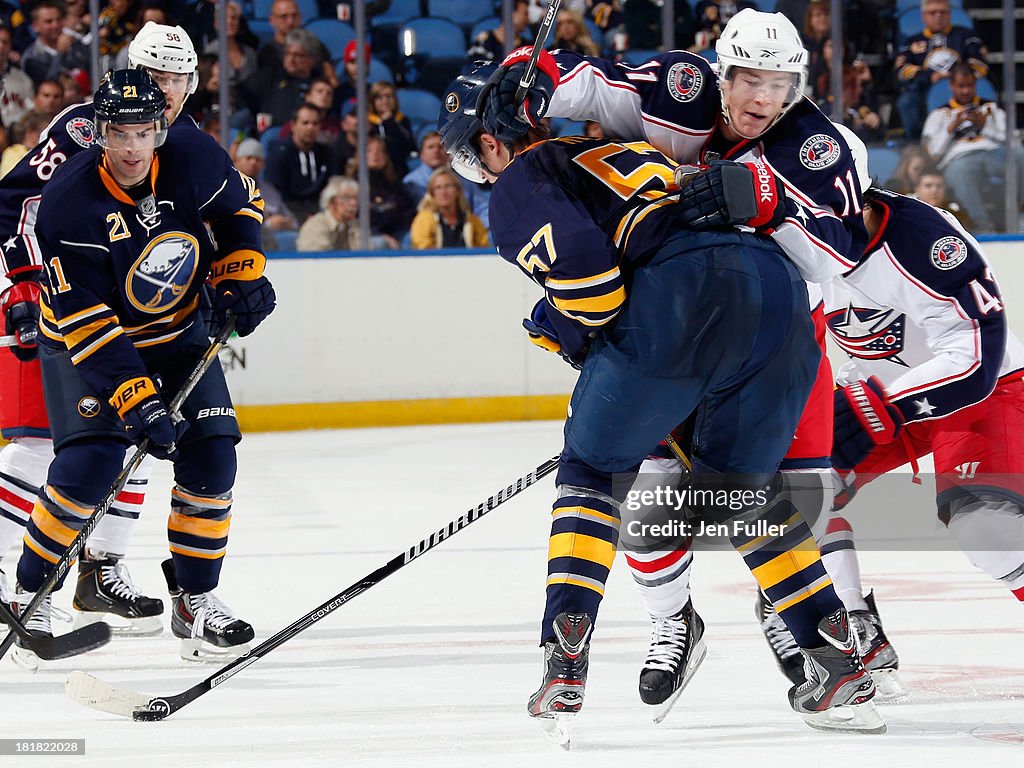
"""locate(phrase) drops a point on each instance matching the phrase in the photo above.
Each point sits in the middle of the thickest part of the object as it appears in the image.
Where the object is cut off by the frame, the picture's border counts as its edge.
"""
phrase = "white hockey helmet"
(764, 41)
(860, 155)
(165, 49)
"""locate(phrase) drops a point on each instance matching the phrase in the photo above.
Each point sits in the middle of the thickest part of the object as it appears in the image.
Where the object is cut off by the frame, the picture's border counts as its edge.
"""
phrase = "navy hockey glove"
(728, 194)
(864, 418)
(497, 107)
(20, 306)
(146, 417)
(250, 301)
(544, 334)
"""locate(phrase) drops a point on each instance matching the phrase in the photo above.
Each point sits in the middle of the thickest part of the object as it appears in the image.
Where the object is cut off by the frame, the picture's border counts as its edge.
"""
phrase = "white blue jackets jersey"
(673, 101)
(125, 278)
(922, 311)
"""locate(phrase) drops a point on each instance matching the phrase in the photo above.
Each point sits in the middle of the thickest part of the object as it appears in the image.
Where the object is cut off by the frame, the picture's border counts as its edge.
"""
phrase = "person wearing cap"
(347, 83)
(249, 159)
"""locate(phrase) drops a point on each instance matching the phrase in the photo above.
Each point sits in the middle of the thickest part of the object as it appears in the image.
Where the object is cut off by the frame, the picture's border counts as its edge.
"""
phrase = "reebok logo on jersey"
(819, 151)
(765, 188)
(949, 253)
(684, 81)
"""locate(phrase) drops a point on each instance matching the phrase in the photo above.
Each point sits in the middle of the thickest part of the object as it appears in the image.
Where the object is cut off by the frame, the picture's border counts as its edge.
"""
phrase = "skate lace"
(668, 644)
(779, 636)
(207, 609)
(117, 579)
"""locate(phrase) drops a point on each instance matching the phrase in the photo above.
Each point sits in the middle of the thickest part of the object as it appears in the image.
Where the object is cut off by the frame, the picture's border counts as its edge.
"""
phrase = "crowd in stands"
(914, 75)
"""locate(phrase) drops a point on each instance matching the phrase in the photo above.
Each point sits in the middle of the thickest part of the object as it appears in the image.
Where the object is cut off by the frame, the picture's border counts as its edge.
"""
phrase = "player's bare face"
(129, 151)
(175, 88)
(754, 99)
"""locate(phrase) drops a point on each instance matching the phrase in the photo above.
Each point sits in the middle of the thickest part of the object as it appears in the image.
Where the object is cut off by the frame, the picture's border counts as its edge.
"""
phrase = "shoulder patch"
(684, 81)
(949, 253)
(820, 151)
(82, 131)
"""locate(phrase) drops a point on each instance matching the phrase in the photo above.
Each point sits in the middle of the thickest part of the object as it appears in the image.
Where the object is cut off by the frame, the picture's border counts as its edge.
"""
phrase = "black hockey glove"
(864, 418)
(543, 333)
(250, 301)
(729, 194)
(497, 107)
(145, 416)
(20, 307)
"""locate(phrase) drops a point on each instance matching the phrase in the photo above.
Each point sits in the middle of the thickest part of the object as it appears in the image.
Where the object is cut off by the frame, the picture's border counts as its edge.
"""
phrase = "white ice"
(433, 666)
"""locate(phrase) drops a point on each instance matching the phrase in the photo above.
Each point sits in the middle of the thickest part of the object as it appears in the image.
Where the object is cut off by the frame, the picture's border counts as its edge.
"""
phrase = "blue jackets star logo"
(869, 333)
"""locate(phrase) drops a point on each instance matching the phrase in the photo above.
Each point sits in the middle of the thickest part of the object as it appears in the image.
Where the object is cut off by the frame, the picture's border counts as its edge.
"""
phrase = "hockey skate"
(207, 628)
(877, 653)
(787, 653)
(560, 696)
(837, 694)
(677, 650)
(105, 592)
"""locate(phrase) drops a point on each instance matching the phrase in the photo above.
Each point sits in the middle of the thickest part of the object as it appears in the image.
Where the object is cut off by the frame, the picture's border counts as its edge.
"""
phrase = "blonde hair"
(427, 203)
(583, 38)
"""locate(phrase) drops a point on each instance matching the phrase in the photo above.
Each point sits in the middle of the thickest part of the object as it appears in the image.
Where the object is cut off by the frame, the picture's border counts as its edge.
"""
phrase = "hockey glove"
(146, 417)
(544, 334)
(864, 418)
(20, 306)
(250, 301)
(728, 194)
(497, 107)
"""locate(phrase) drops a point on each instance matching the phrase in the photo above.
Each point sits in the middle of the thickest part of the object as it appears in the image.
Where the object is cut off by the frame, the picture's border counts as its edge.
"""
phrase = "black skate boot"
(105, 592)
(876, 651)
(677, 650)
(780, 640)
(837, 694)
(560, 696)
(207, 628)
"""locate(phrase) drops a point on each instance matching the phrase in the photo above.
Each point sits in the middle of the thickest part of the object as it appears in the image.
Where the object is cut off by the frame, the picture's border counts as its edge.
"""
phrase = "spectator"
(391, 125)
(860, 103)
(321, 96)
(571, 34)
(931, 189)
(13, 18)
(149, 10)
(344, 149)
(913, 161)
(76, 85)
(277, 93)
(713, 15)
(25, 136)
(642, 20)
(241, 57)
(432, 157)
(77, 20)
(208, 89)
(249, 159)
(115, 28)
(966, 138)
(928, 57)
(390, 206)
(489, 45)
(53, 50)
(816, 28)
(286, 18)
(444, 219)
(347, 83)
(335, 227)
(18, 89)
(49, 98)
(299, 166)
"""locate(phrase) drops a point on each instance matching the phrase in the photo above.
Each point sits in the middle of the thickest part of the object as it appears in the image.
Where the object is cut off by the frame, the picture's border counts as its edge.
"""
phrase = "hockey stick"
(8, 341)
(92, 692)
(76, 545)
(530, 74)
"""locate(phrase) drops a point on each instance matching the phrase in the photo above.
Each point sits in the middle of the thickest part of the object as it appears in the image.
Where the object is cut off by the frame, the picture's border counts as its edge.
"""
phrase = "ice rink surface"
(433, 666)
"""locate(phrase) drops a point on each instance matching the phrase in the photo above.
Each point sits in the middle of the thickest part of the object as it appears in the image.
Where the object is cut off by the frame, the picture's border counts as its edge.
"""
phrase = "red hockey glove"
(864, 418)
(726, 194)
(20, 307)
(497, 107)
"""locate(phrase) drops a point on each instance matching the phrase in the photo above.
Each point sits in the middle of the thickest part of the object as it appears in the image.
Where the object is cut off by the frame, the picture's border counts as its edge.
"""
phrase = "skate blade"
(557, 729)
(146, 626)
(847, 718)
(888, 687)
(200, 651)
(660, 711)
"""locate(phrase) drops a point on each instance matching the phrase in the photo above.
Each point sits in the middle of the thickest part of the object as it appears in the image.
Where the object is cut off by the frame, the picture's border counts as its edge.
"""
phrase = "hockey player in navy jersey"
(104, 589)
(662, 321)
(750, 109)
(120, 329)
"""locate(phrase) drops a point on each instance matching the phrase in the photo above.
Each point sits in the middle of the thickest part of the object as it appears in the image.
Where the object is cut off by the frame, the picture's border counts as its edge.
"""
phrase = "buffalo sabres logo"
(949, 252)
(870, 334)
(82, 131)
(684, 81)
(819, 151)
(451, 102)
(88, 407)
(162, 274)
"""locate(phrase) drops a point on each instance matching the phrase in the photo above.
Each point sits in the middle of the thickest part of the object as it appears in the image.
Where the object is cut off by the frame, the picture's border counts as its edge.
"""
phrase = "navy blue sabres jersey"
(922, 312)
(674, 102)
(125, 277)
(602, 208)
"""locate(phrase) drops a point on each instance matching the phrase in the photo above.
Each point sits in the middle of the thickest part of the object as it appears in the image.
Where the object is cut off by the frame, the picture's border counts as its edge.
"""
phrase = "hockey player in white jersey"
(104, 588)
(751, 110)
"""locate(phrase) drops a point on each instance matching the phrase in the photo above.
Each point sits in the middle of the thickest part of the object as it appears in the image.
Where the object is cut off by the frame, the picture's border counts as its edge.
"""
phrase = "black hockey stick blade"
(87, 638)
(96, 694)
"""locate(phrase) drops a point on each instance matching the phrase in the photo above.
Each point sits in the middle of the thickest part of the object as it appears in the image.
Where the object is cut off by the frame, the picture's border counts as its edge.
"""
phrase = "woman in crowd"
(913, 161)
(571, 34)
(387, 121)
(390, 206)
(241, 57)
(444, 219)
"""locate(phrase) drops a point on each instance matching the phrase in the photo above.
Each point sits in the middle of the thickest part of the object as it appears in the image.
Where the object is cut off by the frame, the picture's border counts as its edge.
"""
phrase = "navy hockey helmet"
(129, 97)
(458, 122)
